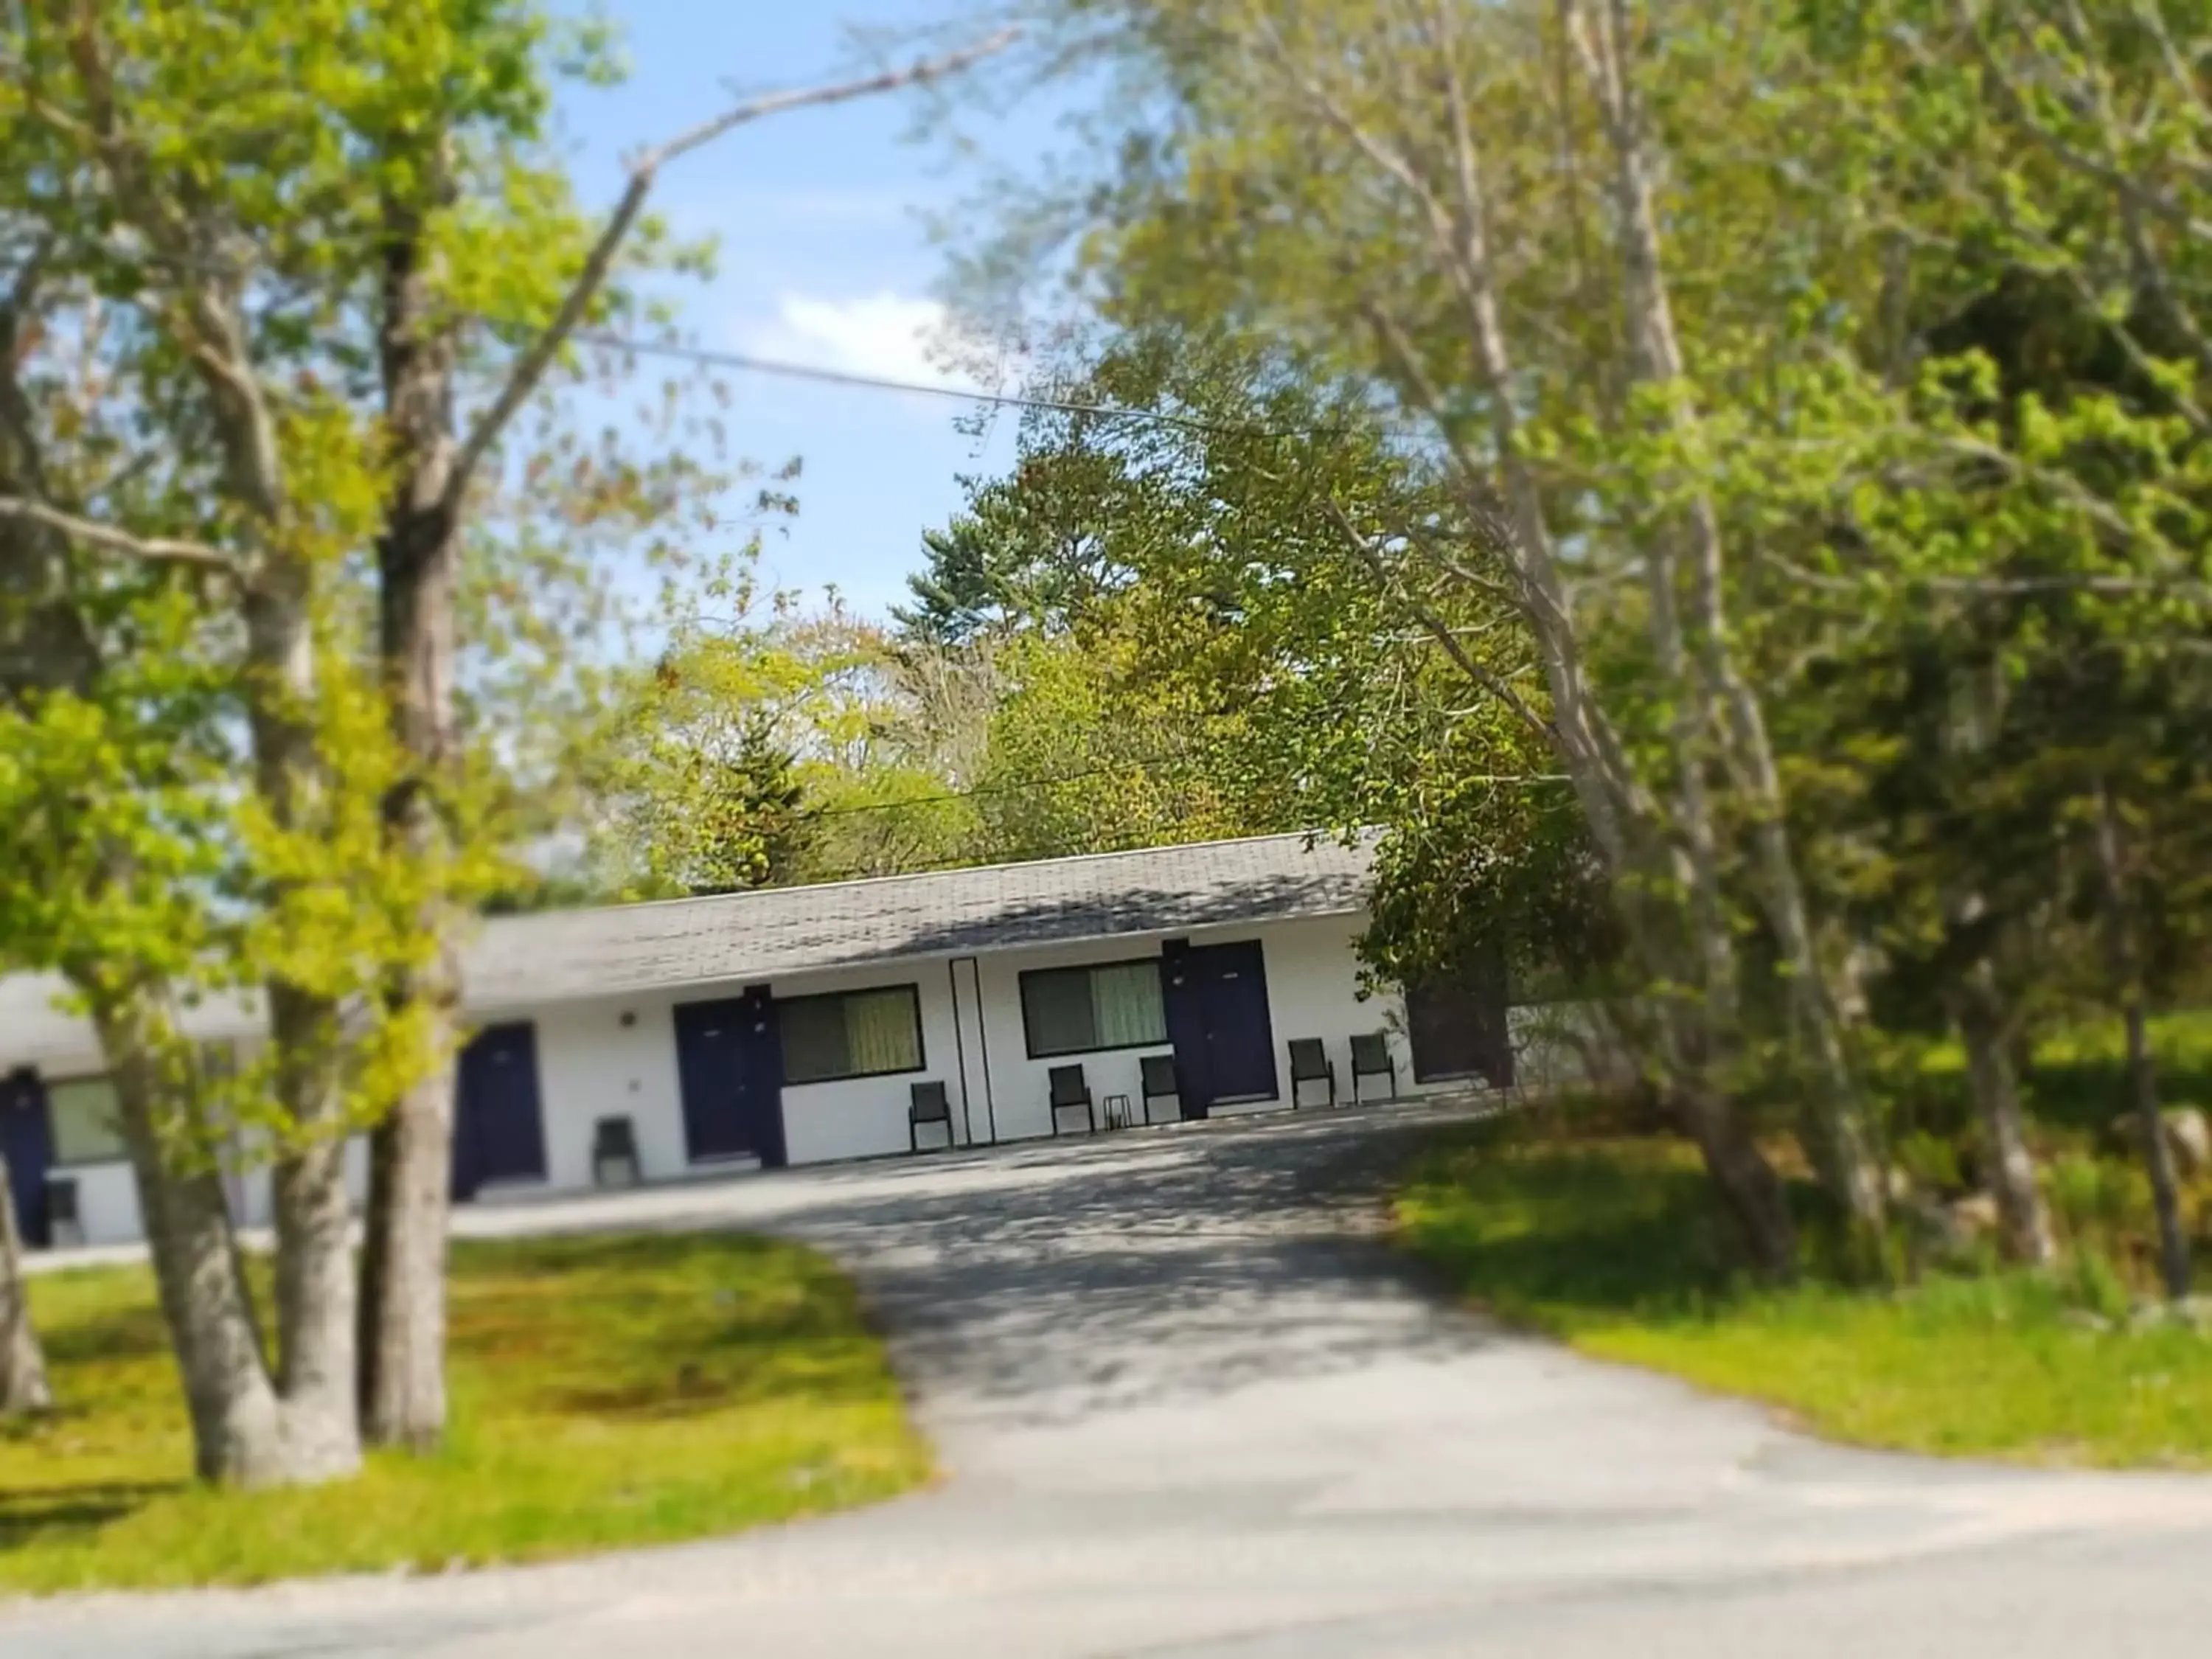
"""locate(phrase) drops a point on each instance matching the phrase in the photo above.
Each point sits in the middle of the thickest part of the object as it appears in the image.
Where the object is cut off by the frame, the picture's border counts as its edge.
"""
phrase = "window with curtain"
(851, 1034)
(1110, 1005)
(83, 1113)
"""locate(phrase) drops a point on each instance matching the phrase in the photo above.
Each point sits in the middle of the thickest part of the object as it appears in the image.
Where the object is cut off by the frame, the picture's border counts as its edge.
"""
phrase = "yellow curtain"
(882, 1032)
(1126, 1002)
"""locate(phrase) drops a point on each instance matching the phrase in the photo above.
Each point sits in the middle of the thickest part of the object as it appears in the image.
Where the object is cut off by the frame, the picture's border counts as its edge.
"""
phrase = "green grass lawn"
(605, 1392)
(1613, 1246)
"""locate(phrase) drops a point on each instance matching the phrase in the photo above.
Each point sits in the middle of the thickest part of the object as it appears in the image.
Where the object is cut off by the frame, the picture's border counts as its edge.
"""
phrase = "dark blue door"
(499, 1132)
(1218, 1020)
(729, 1064)
(1186, 1011)
(27, 1139)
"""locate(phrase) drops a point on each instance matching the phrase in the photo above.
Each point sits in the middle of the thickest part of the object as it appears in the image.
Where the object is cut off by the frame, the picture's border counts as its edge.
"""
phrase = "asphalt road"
(1188, 1407)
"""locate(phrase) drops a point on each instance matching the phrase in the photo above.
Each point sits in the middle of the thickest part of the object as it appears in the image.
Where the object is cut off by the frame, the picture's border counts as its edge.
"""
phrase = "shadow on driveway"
(1045, 1280)
(1044, 1285)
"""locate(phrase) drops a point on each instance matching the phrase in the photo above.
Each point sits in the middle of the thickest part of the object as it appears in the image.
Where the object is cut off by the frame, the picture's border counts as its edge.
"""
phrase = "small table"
(1120, 1115)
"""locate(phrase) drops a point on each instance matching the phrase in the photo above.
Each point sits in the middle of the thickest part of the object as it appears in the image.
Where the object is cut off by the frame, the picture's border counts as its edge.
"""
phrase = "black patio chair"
(1160, 1082)
(929, 1105)
(1310, 1063)
(1371, 1057)
(1068, 1092)
(614, 1153)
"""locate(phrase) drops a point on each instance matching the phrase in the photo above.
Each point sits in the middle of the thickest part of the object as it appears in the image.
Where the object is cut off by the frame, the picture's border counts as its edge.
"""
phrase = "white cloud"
(887, 336)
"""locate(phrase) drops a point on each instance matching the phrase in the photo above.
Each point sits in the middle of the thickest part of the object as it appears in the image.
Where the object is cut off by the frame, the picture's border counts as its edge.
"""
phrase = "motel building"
(895, 1017)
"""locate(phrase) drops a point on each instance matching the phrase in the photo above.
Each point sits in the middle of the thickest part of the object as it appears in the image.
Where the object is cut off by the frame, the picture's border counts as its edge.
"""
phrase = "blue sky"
(824, 258)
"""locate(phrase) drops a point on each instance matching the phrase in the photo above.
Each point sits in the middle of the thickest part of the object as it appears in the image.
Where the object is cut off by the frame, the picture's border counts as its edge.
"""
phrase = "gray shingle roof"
(557, 955)
(574, 953)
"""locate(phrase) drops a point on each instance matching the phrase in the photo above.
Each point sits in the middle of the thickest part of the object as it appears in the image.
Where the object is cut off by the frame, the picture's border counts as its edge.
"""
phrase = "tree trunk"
(314, 1269)
(23, 1386)
(1626, 821)
(237, 1421)
(2024, 1225)
(1840, 1137)
(247, 1431)
(314, 1253)
(2142, 1072)
(1749, 1189)
(402, 1384)
(402, 1307)
(2158, 1155)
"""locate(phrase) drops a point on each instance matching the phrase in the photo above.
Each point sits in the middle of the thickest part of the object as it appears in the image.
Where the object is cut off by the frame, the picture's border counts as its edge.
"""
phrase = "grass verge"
(1613, 1246)
(606, 1392)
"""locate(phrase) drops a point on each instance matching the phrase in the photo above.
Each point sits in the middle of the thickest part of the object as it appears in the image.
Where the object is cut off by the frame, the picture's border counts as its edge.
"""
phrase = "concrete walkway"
(1187, 1408)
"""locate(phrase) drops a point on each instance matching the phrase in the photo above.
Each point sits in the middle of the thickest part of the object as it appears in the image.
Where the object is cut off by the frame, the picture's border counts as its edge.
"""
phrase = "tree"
(697, 786)
(1726, 352)
(2069, 399)
(975, 581)
(791, 747)
(1328, 176)
(327, 217)
(2109, 106)
(263, 489)
(401, 1379)
(1215, 659)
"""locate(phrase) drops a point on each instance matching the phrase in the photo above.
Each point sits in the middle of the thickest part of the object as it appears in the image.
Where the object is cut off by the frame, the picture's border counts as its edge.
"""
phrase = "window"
(1114, 1005)
(851, 1034)
(82, 1111)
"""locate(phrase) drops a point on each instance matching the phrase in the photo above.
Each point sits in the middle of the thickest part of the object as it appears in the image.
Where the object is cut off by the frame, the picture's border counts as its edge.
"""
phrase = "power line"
(747, 363)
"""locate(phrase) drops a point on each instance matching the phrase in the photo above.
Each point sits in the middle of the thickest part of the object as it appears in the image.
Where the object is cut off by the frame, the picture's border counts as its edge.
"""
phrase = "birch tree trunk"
(1750, 1190)
(1840, 1136)
(1624, 817)
(1976, 1000)
(23, 1385)
(2158, 1153)
(1697, 972)
(1977, 1009)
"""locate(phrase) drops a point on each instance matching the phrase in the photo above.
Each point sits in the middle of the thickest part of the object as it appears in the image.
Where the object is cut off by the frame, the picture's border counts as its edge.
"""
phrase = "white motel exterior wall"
(617, 1055)
(592, 1065)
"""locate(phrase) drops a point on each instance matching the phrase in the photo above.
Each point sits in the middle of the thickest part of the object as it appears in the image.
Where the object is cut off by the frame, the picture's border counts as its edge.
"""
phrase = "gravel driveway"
(1188, 1407)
